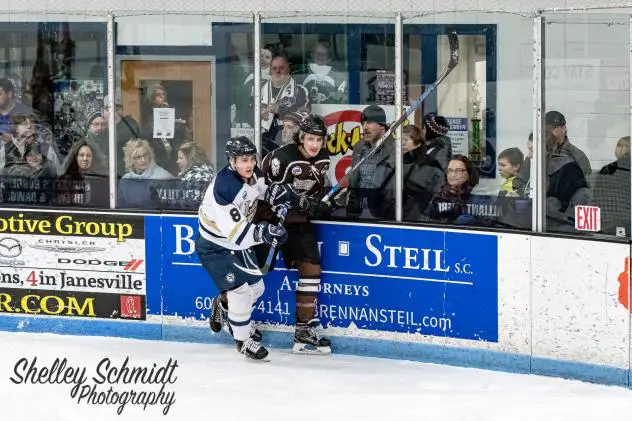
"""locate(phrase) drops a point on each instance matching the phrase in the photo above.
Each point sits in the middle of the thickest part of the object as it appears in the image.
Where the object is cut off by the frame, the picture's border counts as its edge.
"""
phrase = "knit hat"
(555, 119)
(92, 116)
(374, 114)
(436, 125)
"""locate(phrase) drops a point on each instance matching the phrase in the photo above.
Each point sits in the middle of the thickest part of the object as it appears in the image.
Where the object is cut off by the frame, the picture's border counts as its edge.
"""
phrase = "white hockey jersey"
(229, 205)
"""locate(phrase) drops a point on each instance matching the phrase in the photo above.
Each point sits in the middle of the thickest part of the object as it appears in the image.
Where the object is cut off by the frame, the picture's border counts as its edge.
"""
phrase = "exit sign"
(587, 218)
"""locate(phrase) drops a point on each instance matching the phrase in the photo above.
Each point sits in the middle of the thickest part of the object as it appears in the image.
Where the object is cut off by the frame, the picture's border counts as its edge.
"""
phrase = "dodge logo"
(10, 247)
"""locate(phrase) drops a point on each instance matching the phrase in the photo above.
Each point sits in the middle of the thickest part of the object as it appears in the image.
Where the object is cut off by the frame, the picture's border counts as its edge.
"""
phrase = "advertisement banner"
(376, 278)
(69, 257)
(68, 303)
(186, 288)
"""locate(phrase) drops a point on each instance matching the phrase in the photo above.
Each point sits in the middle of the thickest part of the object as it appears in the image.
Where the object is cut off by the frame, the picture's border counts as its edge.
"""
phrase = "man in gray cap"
(367, 183)
(126, 128)
(556, 124)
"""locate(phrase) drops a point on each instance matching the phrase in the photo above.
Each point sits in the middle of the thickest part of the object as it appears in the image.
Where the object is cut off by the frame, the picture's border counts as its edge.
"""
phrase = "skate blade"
(266, 359)
(306, 349)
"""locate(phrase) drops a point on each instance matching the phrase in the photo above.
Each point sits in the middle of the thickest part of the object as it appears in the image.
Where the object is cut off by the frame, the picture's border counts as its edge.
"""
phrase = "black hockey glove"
(267, 232)
(284, 194)
(318, 209)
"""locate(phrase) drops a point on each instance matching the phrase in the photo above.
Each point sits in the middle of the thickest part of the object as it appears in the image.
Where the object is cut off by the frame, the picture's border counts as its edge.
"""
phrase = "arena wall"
(512, 302)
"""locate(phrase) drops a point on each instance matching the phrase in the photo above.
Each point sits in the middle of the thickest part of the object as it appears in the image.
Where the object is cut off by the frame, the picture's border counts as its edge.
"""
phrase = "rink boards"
(512, 302)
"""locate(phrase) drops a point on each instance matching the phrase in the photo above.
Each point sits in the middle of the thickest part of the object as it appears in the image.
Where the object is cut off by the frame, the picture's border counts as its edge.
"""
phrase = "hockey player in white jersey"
(226, 235)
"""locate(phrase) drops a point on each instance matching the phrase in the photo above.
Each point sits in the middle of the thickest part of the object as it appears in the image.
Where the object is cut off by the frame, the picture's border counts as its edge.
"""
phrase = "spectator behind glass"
(323, 83)
(196, 173)
(451, 204)
(513, 197)
(280, 96)
(31, 180)
(438, 144)
(165, 150)
(138, 187)
(566, 186)
(43, 170)
(244, 95)
(41, 166)
(126, 129)
(22, 134)
(266, 59)
(423, 177)
(509, 166)
(556, 125)
(611, 192)
(84, 181)
(9, 105)
(286, 136)
(367, 183)
(193, 163)
(96, 125)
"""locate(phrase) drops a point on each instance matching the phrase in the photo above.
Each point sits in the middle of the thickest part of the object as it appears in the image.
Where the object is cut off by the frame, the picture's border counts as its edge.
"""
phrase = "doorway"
(188, 89)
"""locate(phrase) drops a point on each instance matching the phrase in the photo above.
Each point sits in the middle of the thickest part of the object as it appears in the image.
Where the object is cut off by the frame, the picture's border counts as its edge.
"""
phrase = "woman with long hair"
(84, 178)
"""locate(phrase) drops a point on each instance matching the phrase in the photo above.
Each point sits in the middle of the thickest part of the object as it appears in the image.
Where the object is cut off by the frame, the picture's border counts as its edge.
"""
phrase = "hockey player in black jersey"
(227, 235)
(303, 164)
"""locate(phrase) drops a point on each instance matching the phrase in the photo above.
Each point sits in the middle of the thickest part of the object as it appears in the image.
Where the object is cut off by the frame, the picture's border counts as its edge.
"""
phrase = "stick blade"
(453, 41)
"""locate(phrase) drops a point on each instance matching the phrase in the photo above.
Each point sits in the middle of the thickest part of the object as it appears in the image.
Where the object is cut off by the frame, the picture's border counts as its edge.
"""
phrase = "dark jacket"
(440, 150)
(611, 193)
(567, 148)
(24, 184)
(422, 180)
(384, 171)
(566, 188)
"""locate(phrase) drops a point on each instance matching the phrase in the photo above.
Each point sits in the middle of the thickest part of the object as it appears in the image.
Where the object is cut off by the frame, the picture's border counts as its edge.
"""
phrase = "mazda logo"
(10, 247)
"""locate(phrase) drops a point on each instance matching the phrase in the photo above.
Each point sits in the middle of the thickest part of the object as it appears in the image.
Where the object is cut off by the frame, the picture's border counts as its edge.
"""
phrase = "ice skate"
(255, 334)
(252, 349)
(219, 315)
(218, 320)
(308, 339)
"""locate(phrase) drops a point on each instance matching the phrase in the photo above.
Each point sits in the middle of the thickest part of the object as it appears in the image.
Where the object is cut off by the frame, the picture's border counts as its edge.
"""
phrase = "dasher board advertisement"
(72, 264)
(421, 281)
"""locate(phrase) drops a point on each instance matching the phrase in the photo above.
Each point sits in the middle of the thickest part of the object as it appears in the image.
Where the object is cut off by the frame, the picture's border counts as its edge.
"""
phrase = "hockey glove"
(318, 209)
(284, 194)
(267, 233)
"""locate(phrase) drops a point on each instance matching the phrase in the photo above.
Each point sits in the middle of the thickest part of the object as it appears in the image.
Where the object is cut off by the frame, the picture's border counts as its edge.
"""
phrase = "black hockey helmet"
(240, 146)
(313, 124)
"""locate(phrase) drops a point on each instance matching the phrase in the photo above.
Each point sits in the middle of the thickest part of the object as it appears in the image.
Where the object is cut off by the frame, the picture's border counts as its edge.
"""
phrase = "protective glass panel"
(52, 79)
(587, 124)
(178, 89)
(341, 68)
(466, 160)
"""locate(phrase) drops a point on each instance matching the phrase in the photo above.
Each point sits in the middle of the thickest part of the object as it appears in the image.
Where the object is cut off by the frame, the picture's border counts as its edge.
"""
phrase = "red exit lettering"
(588, 218)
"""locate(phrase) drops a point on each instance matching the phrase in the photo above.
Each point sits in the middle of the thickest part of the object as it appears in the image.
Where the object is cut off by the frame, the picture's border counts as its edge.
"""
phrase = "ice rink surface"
(213, 382)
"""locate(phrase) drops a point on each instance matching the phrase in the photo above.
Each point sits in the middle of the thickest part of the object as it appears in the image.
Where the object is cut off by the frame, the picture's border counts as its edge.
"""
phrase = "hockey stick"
(453, 41)
(266, 267)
